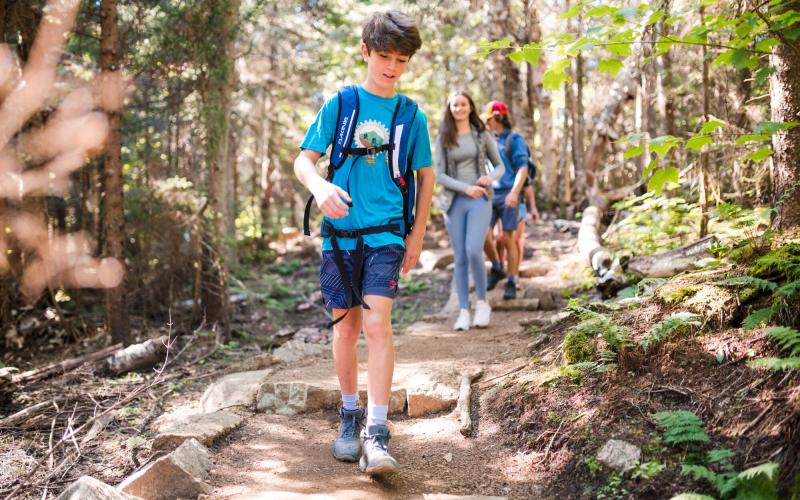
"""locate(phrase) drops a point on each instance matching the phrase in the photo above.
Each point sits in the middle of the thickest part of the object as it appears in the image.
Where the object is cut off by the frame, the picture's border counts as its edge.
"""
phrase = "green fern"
(776, 364)
(788, 290)
(758, 318)
(677, 323)
(781, 261)
(761, 284)
(788, 339)
(681, 427)
(721, 456)
(758, 482)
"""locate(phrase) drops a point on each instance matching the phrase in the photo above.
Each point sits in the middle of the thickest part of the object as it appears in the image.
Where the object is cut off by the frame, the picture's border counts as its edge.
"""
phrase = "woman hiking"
(462, 150)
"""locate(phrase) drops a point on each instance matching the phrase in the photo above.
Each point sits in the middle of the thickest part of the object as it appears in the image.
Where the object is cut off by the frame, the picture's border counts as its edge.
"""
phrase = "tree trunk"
(622, 90)
(218, 52)
(704, 166)
(549, 169)
(117, 321)
(785, 106)
(578, 132)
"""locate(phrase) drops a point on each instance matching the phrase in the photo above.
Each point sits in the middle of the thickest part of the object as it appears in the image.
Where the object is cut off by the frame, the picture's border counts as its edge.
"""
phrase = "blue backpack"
(399, 162)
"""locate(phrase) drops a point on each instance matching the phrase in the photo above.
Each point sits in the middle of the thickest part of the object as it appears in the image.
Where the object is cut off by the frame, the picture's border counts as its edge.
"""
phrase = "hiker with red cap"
(505, 203)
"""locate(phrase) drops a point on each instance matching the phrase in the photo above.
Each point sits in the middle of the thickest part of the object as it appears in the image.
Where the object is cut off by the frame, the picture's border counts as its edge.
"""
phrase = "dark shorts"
(508, 216)
(379, 275)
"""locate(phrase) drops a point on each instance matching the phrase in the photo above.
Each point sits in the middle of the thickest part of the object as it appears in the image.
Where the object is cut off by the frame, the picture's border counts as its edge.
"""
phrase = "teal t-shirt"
(376, 198)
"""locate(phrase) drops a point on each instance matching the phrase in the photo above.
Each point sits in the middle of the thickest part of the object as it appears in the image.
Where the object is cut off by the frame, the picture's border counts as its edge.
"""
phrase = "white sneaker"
(483, 312)
(462, 322)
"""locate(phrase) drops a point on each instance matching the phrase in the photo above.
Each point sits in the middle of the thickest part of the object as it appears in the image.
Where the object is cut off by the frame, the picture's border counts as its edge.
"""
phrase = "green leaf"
(663, 45)
(769, 470)
(600, 11)
(661, 177)
(770, 128)
(724, 58)
(789, 290)
(720, 455)
(530, 54)
(555, 76)
(655, 17)
(649, 168)
(776, 364)
(742, 59)
(633, 151)
(699, 472)
(663, 144)
(757, 318)
(760, 155)
(712, 125)
(763, 74)
(486, 48)
(610, 66)
(582, 44)
(751, 138)
(767, 44)
(572, 12)
(620, 48)
(696, 142)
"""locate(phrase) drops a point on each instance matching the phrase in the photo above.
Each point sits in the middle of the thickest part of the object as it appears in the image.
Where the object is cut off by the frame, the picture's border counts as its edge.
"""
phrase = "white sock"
(350, 401)
(376, 414)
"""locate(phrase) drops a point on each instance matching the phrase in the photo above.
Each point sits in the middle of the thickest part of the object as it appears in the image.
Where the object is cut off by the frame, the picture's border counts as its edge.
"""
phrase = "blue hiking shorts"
(508, 216)
(379, 274)
(523, 212)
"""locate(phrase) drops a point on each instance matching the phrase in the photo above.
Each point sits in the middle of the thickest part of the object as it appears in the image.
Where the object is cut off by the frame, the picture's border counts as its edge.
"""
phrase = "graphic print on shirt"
(371, 134)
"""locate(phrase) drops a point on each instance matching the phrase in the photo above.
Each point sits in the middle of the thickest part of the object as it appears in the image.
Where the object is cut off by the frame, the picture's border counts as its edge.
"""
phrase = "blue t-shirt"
(376, 198)
(519, 159)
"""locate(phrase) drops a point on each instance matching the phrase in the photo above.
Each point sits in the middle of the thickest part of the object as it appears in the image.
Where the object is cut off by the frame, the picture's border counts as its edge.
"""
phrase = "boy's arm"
(425, 181)
(331, 199)
(531, 198)
(512, 198)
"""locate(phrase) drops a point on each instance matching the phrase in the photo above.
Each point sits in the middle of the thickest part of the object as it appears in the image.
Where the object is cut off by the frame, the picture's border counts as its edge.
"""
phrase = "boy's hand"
(512, 199)
(536, 219)
(331, 199)
(413, 249)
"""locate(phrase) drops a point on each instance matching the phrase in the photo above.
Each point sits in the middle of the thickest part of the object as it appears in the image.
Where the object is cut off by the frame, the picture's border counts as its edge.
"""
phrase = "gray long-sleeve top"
(464, 156)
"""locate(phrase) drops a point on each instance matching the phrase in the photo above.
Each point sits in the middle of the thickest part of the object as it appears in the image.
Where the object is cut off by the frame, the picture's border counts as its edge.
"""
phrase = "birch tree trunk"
(117, 320)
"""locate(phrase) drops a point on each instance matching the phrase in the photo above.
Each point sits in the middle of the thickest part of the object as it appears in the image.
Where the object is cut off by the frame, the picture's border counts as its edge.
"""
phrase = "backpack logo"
(371, 134)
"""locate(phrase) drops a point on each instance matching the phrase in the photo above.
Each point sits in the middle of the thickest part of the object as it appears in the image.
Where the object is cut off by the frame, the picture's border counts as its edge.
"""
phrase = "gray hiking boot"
(493, 278)
(376, 459)
(347, 447)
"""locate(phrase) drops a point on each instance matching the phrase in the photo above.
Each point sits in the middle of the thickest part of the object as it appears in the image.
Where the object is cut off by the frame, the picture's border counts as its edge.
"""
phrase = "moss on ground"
(578, 346)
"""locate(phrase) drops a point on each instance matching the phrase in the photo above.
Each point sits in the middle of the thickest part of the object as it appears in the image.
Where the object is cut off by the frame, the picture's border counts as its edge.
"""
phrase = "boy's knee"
(347, 331)
(377, 329)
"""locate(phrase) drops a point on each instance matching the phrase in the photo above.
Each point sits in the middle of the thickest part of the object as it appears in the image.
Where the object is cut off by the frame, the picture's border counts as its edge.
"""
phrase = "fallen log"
(136, 357)
(589, 244)
(464, 397)
(63, 366)
(671, 262)
(23, 415)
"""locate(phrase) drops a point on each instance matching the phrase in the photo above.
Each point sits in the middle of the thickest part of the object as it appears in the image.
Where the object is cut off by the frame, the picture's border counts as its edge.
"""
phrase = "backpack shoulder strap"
(404, 114)
(345, 124)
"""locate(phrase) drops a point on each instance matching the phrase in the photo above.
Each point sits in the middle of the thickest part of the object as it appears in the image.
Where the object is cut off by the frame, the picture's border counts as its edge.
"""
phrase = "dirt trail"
(275, 456)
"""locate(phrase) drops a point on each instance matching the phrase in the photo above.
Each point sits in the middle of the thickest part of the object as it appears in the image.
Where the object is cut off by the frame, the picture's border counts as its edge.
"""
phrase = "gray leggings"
(467, 223)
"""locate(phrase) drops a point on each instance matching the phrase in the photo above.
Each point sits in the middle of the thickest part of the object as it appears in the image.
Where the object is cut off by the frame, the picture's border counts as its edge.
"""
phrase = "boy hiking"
(379, 140)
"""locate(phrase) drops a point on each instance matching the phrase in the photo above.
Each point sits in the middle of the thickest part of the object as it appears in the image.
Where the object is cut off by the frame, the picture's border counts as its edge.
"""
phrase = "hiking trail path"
(274, 455)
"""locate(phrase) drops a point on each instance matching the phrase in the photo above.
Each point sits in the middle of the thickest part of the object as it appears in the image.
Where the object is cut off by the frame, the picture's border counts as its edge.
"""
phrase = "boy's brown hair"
(391, 31)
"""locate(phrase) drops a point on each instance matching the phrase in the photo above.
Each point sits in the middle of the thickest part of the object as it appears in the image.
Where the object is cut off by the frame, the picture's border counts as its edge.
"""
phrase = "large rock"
(435, 259)
(619, 455)
(236, 389)
(532, 270)
(89, 488)
(523, 304)
(205, 428)
(543, 295)
(180, 474)
(295, 350)
(291, 398)
(427, 395)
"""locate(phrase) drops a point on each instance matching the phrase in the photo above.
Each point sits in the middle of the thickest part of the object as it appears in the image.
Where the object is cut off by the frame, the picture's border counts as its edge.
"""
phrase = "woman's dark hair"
(448, 133)
(391, 31)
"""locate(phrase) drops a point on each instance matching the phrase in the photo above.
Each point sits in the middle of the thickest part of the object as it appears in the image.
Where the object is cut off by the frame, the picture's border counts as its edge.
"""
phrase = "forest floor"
(538, 423)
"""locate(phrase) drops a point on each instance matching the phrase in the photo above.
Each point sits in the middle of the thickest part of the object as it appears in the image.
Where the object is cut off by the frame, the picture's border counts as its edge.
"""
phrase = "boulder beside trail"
(205, 428)
(180, 474)
(89, 488)
(236, 389)
(619, 455)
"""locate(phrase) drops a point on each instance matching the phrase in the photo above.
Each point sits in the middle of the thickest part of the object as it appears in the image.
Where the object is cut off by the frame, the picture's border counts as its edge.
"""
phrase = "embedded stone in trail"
(532, 270)
(205, 428)
(426, 395)
(236, 389)
(619, 455)
(295, 350)
(441, 496)
(89, 488)
(500, 304)
(180, 474)
(293, 397)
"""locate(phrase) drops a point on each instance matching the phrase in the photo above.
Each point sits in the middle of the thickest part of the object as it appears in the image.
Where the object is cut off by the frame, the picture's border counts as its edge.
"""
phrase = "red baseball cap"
(495, 108)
